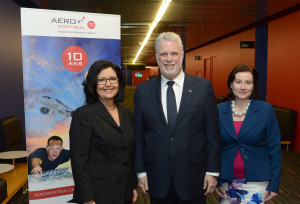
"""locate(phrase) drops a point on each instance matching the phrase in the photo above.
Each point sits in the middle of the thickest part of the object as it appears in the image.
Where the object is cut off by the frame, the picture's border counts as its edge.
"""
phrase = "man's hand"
(143, 184)
(37, 170)
(36, 166)
(134, 196)
(268, 196)
(210, 183)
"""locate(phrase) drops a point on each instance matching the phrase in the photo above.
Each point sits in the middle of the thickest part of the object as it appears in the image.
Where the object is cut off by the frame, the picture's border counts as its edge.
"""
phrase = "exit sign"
(247, 44)
(197, 58)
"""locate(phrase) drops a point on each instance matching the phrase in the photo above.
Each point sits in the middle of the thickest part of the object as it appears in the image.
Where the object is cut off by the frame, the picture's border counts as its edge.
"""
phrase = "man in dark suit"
(177, 153)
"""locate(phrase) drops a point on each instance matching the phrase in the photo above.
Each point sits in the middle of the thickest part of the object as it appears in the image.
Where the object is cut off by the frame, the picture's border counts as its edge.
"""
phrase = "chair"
(287, 123)
(129, 97)
(221, 99)
(3, 190)
(11, 134)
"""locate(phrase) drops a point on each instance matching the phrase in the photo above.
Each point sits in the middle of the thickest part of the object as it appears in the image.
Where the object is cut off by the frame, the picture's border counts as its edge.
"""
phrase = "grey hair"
(168, 36)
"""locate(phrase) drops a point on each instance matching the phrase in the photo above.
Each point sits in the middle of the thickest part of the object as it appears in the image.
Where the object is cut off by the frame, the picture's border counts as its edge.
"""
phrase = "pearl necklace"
(237, 113)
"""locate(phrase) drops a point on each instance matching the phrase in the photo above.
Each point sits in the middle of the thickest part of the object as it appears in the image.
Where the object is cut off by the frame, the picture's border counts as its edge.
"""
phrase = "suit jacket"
(258, 142)
(101, 155)
(184, 152)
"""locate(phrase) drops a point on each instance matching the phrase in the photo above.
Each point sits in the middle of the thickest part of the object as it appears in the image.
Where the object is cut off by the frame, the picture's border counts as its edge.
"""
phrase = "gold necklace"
(112, 109)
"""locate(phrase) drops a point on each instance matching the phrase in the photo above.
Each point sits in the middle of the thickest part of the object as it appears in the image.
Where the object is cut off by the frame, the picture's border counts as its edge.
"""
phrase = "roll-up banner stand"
(58, 48)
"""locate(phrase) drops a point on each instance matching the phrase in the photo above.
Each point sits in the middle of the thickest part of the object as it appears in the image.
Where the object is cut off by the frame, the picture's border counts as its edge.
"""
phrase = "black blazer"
(184, 152)
(101, 155)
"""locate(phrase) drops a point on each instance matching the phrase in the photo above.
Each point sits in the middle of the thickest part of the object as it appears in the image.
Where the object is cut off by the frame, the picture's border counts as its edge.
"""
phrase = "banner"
(58, 48)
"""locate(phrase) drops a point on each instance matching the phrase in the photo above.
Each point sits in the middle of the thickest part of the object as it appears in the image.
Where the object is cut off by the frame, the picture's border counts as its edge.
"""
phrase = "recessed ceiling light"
(162, 10)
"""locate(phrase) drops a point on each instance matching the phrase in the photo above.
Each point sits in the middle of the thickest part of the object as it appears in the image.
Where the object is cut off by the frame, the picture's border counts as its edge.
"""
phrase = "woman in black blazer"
(102, 140)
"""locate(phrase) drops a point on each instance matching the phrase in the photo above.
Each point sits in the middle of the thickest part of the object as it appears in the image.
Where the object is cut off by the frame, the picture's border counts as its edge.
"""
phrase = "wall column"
(261, 58)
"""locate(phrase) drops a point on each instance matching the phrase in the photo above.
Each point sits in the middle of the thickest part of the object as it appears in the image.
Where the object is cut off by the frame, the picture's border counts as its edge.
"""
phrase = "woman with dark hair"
(251, 150)
(102, 140)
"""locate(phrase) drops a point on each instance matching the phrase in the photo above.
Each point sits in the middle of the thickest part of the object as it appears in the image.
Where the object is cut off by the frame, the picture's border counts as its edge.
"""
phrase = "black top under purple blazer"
(185, 152)
(101, 155)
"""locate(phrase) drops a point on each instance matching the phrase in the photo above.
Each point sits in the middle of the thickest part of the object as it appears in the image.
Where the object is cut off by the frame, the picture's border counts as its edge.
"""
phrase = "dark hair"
(54, 137)
(90, 83)
(243, 68)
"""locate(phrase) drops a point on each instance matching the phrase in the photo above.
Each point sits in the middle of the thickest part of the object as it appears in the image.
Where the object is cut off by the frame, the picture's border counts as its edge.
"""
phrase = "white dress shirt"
(177, 87)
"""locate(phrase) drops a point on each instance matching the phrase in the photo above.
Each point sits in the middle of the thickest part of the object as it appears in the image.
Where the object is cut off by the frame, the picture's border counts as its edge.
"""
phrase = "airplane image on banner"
(52, 105)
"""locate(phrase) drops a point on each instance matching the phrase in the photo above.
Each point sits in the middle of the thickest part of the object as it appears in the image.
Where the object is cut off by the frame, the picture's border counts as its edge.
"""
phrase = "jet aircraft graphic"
(52, 105)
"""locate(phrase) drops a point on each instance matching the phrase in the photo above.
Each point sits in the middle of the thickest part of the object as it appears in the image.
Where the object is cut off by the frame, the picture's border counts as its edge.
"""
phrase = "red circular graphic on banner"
(91, 24)
(74, 59)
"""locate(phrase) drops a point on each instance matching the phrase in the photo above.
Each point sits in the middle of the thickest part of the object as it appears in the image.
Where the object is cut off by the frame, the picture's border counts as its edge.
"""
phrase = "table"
(15, 180)
(6, 168)
(13, 155)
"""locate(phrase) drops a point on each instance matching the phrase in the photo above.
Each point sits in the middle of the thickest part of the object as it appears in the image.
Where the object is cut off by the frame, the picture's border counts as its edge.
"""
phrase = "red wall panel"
(222, 56)
(283, 88)
(139, 76)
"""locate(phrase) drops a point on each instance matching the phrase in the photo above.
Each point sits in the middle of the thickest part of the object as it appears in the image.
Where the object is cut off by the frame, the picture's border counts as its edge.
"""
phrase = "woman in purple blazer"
(251, 150)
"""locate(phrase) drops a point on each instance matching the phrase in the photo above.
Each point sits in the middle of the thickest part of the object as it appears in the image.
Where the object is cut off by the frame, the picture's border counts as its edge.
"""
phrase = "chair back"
(287, 122)
(11, 132)
(221, 99)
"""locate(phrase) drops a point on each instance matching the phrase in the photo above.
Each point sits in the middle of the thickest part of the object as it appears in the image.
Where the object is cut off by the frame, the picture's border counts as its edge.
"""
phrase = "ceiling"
(199, 22)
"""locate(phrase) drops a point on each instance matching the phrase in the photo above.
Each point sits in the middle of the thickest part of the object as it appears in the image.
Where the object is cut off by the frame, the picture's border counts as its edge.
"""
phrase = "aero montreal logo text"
(74, 59)
(69, 23)
(73, 23)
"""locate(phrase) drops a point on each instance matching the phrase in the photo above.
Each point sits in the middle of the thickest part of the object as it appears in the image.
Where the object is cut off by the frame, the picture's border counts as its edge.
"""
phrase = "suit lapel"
(122, 117)
(250, 120)
(103, 113)
(186, 97)
(226, 121)
(156, 100)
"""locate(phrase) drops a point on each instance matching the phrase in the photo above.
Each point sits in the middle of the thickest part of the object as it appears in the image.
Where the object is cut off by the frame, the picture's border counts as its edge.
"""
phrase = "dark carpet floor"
(289, 192)
(289, 187)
